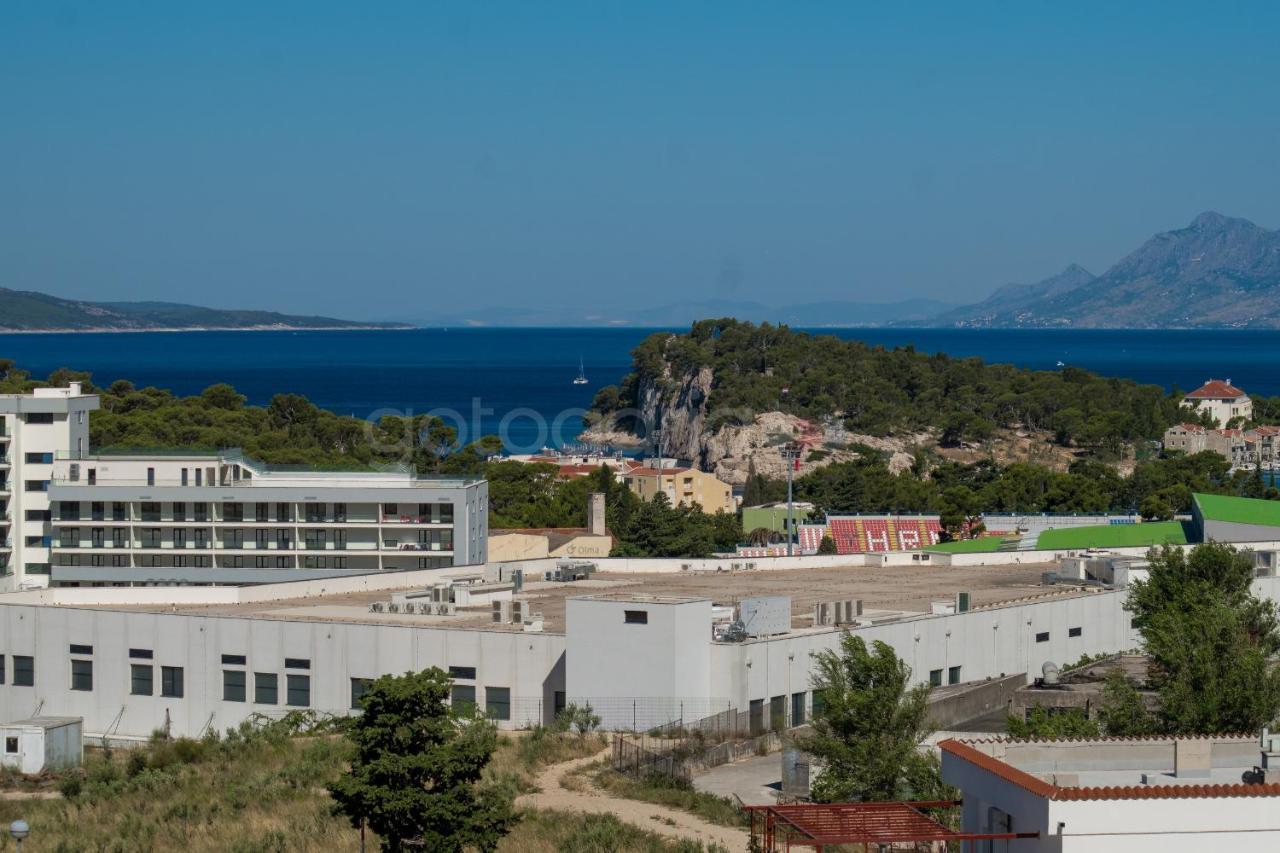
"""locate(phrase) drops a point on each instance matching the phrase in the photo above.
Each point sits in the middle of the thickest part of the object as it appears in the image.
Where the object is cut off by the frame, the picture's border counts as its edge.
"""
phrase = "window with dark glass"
(635, 617)
(24, 671)
(463, 698)
(233, 685)
(81, 674)
(497, 703)
(359, 687)
(1042, 637)
(465, 672)
(171, 681)
(266, 688)
(298, 690)
(140, 679)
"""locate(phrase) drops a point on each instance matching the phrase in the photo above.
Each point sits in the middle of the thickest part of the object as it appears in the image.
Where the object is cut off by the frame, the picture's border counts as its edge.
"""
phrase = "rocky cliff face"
(679, 405)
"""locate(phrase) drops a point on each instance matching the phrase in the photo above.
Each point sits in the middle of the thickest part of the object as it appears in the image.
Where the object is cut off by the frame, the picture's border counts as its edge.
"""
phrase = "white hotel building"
(68, 518)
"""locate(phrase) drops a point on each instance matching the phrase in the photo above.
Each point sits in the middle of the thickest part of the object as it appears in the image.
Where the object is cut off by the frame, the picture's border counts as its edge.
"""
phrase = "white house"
(1222, 400)
(1098, 796)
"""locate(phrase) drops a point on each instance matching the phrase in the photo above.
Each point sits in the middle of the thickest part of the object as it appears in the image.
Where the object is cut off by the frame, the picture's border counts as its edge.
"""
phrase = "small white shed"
(42, 743)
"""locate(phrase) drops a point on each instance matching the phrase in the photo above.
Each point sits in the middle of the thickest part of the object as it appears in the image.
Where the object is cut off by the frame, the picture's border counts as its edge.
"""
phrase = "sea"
(518, 382)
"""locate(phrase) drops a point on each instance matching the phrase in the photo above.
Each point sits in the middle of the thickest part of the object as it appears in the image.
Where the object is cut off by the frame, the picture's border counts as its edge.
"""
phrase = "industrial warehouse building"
(642, 648)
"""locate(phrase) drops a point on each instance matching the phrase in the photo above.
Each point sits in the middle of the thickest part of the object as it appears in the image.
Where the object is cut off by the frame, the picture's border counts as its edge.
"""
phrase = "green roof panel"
(1112, 536)
(1238, 510)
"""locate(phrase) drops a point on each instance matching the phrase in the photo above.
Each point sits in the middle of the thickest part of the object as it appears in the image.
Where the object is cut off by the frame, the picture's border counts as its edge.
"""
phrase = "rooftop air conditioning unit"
(446, 609)
(393, 608)
(684, 567)
(517, 612)
(735, 566)
(750, 566)
(375, 607)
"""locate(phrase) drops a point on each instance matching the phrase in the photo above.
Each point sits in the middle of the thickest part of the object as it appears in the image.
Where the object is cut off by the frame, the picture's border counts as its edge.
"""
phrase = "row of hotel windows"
(157, 561)
(266, 685)
(154, 537)
(312, 512)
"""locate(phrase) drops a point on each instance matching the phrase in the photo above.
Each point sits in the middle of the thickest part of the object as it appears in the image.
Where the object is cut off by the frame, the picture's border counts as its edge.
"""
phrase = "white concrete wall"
(1186, 825)
(663, 664)
(528, 664)
(985, 643)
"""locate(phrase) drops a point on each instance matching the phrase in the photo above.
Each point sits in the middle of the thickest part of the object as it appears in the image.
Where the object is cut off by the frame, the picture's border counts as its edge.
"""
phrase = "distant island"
(29, 311)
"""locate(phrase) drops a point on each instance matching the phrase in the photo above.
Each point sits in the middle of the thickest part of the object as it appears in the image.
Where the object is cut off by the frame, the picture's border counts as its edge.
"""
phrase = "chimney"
(73, 389)
(595, 514)
(1192, 758)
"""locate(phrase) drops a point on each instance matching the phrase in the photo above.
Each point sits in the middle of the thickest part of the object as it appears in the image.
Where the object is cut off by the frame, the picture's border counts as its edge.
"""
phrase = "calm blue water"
(524, 376)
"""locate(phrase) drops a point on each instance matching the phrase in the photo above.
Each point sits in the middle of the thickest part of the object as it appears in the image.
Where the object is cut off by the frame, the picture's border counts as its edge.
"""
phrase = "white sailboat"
(582, 374)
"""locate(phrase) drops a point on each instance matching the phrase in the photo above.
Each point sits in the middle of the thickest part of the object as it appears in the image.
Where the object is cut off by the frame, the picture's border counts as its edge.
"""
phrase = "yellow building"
(682, 486)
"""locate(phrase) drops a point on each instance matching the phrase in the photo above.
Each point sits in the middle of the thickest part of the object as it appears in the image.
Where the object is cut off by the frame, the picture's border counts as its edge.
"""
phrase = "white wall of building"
(528, 664)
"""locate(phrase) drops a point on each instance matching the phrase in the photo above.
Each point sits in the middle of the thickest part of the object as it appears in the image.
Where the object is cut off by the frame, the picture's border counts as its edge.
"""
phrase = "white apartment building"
(221, 518)
(35, 429)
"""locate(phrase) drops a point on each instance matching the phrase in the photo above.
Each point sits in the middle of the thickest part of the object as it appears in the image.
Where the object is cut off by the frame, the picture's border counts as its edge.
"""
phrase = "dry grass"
(267, 795)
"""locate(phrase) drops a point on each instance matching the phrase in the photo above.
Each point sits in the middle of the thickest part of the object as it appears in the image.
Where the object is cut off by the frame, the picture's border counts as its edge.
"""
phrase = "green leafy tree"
(1210, 640)
(868, 731)
(415, 777)
(1123, 712)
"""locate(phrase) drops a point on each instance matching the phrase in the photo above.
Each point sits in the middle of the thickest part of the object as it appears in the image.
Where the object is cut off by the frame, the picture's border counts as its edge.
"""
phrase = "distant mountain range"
(807, 314)
(1218, 272)
(27, 311)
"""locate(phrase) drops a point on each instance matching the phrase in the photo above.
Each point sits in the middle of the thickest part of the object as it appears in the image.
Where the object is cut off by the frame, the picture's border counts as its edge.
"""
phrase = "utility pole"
(790, 453)
(657, 440)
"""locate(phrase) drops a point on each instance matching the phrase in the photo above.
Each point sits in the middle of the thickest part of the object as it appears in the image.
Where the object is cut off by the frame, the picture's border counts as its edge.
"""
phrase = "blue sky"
(397, 159)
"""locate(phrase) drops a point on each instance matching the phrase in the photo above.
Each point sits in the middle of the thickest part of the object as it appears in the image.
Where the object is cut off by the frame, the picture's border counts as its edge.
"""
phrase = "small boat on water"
(582, 374)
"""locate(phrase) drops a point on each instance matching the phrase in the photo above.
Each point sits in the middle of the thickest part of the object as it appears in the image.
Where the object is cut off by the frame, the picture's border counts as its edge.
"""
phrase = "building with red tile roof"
(1131, 794)
(1221, 400)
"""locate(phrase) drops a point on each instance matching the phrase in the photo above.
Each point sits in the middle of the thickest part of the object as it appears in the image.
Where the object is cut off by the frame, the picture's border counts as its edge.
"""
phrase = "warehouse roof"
(1238, 510)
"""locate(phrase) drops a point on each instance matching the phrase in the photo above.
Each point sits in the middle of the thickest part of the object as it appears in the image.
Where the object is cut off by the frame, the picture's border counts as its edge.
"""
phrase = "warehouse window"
(935, 678)
(266, 688)
(359, 687)
(1, 669)
(465, 672)
(24, 671)
(233, 660)
(463, 698)
(635, 617)
(1042, 637)
(140, 676)
(1074, 632)
(953, 675)
(171, 681)
(233, 685)
(497, 703)
(144, 654)
(81, 675)
(298, 690)
(77, 649)
(297, 663)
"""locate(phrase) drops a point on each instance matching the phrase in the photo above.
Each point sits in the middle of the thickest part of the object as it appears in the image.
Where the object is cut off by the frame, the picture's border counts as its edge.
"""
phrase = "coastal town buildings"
(683, 486)
(1221, 400)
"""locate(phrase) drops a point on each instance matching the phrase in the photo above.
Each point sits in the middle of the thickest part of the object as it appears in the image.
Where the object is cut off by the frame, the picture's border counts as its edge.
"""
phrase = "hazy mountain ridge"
(29, 311)
(1218, 272)
(836, 313)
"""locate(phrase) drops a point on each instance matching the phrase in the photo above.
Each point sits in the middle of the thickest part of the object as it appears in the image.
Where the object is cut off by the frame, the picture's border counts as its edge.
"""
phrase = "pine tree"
(415, 778)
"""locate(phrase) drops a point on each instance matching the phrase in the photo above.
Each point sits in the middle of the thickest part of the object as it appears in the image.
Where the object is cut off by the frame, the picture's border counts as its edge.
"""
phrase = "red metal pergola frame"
(818, 825)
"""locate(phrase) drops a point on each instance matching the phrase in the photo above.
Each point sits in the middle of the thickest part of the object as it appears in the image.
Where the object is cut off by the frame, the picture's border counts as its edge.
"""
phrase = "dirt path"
(672, 823)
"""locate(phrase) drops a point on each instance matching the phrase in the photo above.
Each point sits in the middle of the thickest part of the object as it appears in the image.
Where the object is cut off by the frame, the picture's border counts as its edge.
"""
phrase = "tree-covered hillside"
(878, 391)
